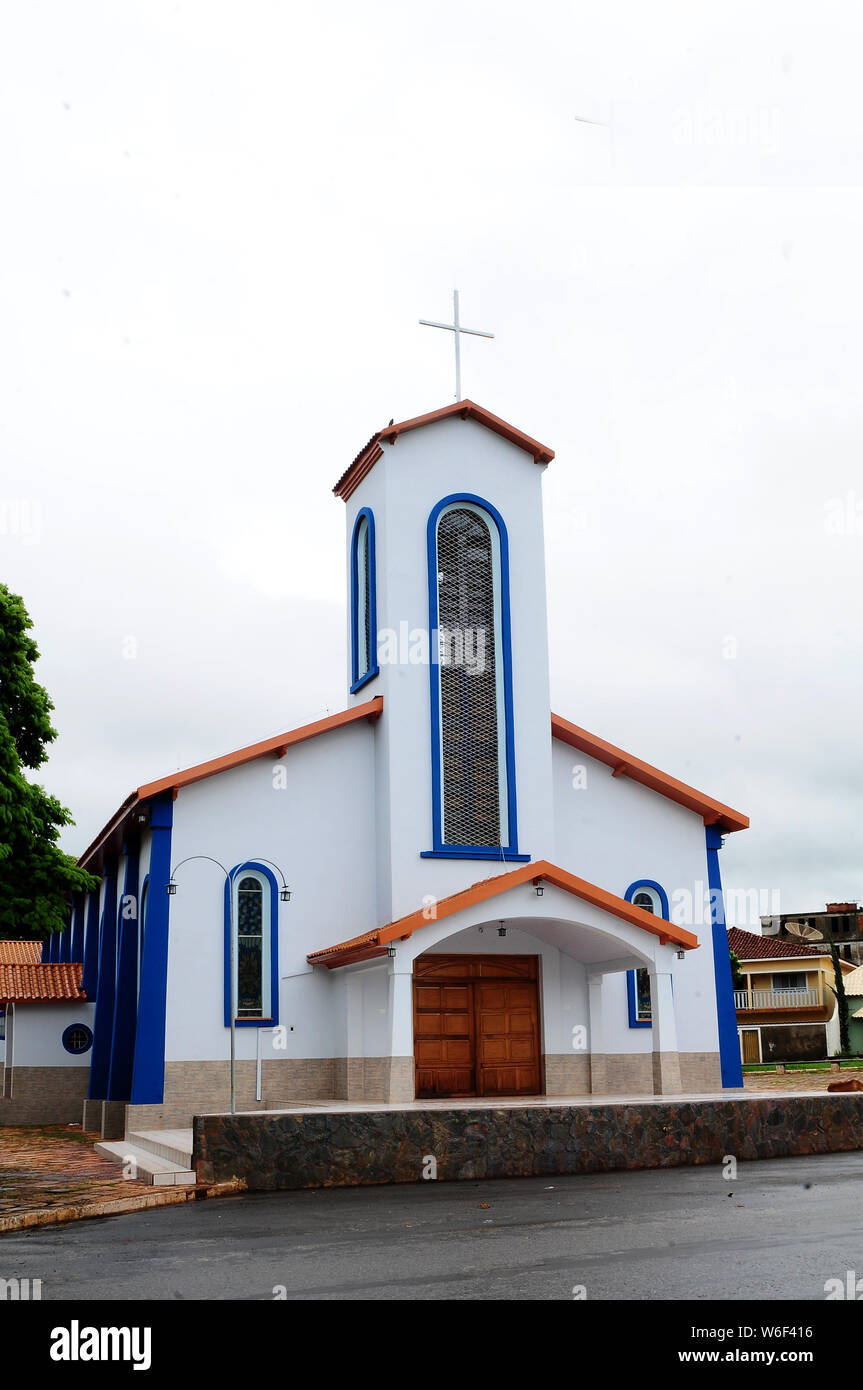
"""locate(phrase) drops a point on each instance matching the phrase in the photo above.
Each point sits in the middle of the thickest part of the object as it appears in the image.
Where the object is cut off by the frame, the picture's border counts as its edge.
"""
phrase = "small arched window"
(650, 897)
(364, 665)
(250, 947)
(251, 909)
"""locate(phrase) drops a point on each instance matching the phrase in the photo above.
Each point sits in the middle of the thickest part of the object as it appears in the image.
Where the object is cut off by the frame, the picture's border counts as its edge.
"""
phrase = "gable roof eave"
(622, 764)
(277, 746)
(466, 410)
(373, 943)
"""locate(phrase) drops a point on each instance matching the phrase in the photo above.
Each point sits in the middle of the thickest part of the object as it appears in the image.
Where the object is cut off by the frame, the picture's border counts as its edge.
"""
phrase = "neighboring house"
(839, 922)
(46, 1032)
(787, 1011)
(474, 882)
(854, 991)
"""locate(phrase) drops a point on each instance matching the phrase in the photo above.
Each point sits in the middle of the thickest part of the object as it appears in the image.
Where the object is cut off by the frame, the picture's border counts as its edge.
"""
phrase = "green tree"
(841, 1000)
(36, 877)
(738, 980)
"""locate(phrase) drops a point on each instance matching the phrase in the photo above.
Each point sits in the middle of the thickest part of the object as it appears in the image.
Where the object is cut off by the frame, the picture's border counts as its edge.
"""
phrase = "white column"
(598, 1070)
(401, 1018)
(666, 1061)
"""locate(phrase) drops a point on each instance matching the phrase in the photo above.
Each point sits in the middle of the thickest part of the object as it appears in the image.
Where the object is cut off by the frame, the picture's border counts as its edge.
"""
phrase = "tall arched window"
(650, 897)
(364, 664)
(252, 910)
(473, 765)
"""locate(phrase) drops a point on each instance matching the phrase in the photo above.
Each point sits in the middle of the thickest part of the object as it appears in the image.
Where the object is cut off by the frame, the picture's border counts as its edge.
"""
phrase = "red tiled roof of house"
(20, 952)
(21, 984)
(747, 946)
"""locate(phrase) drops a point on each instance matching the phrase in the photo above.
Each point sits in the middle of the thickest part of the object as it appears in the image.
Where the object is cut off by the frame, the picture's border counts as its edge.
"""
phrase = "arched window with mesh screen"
(471, 687)
(364, 665)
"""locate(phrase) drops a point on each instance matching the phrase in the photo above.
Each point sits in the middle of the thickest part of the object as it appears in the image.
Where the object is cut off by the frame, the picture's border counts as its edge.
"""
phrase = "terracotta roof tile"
(21, 984)
(747, 946)
(20, 952)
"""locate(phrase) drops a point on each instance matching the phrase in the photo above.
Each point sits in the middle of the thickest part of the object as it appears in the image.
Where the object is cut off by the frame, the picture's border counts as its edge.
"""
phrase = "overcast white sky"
(222, 221)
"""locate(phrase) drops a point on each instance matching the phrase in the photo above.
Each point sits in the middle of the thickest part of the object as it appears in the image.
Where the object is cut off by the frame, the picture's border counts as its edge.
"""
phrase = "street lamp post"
(284, 895)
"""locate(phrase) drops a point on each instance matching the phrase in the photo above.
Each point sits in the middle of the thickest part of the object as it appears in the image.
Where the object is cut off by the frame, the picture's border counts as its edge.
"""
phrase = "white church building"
(445, 890)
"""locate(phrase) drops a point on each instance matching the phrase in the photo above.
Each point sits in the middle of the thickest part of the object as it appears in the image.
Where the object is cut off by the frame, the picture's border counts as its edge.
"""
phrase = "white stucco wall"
(319, 829)
(38, 1030)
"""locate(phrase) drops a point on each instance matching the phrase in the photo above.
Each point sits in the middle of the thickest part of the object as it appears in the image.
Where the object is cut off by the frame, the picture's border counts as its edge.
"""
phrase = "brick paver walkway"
(57, 1166)
(798, 1080)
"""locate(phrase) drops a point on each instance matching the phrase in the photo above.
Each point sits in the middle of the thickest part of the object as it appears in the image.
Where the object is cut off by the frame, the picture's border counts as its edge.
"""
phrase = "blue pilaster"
(148, 1071)
(125, 1002)
(729, 1047)
(76, 950)
(90, 978)
(103, 1028)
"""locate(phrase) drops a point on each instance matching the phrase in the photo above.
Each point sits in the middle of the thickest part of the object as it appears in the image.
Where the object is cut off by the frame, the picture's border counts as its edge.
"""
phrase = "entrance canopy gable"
(374, 943)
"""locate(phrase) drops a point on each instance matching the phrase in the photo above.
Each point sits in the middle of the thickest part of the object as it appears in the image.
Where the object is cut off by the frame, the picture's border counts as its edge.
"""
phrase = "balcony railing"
(759, 1000)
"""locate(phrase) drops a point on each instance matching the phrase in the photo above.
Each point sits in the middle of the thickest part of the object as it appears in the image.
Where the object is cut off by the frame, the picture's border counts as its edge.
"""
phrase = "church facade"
(445, 890)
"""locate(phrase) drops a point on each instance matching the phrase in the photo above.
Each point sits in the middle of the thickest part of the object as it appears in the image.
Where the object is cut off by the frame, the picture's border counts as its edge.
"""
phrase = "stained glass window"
(250, 948)
(645, 901)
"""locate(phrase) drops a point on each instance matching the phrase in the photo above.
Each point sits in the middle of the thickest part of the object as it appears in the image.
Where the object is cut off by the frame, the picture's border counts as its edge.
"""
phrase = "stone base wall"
(354, 1148)
(45, 1096)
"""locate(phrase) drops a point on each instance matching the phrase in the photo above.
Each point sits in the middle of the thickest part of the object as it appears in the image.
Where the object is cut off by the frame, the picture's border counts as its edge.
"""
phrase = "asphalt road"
(779, 1231)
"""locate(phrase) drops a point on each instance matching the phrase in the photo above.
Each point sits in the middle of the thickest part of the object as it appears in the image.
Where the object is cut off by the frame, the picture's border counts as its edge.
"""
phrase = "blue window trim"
(442, 850)
(357, 680)
(273, 1017)
(631, 997)
(77, 1027)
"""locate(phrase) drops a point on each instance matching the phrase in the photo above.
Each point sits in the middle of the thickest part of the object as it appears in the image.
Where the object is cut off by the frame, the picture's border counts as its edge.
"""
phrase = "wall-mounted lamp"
(537, 883)
(681, 955)
(171, 888)
(391, 952)
(501, 931)
(285, 893)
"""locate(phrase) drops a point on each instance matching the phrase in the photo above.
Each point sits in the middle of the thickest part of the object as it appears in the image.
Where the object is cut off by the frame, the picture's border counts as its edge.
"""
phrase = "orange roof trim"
(625, 765)
(467, 410)
(25, 984)
(374, 943)
(270, 748)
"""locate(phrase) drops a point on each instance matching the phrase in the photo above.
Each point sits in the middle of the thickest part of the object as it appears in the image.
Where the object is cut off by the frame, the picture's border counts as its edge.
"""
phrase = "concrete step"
(173, 1144)
(149, 1168)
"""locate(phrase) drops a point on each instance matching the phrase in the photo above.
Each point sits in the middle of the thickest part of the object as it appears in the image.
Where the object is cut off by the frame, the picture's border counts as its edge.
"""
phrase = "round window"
(77, 1038)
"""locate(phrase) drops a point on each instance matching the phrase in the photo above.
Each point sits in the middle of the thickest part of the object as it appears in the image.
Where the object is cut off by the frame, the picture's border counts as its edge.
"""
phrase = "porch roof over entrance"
(374, 943)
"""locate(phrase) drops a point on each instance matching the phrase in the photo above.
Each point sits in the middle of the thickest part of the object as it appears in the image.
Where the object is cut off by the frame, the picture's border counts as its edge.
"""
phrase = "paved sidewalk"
(57, 1166)
(799, 1080)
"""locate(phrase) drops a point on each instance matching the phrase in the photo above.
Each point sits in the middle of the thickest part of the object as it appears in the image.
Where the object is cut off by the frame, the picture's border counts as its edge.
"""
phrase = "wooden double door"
(476, 1026)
